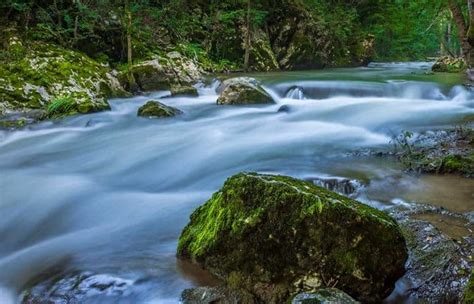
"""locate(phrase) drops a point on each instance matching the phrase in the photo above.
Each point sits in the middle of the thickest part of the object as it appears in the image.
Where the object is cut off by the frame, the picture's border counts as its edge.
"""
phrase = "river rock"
(274, 235)
(84, 287)
(185, 90)
(156, 109)
(44, 75)
(165, 72)
(324, 296)
(242, 90)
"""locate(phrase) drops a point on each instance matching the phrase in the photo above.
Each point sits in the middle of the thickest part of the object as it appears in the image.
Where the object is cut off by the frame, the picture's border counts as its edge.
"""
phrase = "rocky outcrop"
(58, 81)
(422, 153)
(261, 54)
(449, 65)
(273, 236)
(165, 72)
(241, 91)
(438, 265)
(156, 109)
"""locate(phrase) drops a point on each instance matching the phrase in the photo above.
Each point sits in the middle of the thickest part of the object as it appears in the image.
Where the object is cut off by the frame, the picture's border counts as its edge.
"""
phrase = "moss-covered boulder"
(449, 64)
(241, 91)
(274, 236)
(324, 296)
(156, 109)
(47, 76)
(183, 90)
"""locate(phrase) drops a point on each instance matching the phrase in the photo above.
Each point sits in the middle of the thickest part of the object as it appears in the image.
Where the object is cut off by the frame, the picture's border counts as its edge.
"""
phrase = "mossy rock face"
(449, 65)
(179, 90)
(324, 296)
(47, 73)
(242, 91)
(165, 72)
(155, 109)
(266, 232)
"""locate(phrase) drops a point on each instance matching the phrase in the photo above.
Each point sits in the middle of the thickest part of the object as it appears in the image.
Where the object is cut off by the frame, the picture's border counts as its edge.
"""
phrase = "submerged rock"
(85, 287)
(274, 235)
(324, 296)
(155, 109)
(242, 90)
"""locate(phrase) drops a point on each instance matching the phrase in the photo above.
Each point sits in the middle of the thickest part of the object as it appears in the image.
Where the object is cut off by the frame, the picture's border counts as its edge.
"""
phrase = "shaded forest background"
(284, 34)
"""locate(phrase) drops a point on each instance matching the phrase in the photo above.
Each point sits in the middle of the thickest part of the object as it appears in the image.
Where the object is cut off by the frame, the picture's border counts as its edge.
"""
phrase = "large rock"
(273, 236)
(47, 77)
(165, 72)
(156, 109)
(242, 90)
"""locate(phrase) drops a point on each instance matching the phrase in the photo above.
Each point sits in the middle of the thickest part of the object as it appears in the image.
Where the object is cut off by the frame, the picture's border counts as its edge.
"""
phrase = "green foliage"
(60, 106)
(403, 29)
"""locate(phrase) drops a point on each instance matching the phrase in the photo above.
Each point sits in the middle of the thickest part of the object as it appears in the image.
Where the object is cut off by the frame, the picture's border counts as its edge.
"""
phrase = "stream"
(109, 193)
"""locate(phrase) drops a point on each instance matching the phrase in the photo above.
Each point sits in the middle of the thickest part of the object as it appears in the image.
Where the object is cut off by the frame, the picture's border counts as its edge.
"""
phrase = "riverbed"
(109, 193)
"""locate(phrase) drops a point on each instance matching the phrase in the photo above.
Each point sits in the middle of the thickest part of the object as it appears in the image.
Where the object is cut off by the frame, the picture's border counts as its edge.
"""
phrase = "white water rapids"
(110, 192)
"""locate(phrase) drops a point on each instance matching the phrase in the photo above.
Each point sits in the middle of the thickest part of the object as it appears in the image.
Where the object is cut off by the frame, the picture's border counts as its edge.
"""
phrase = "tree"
(128, 31)
(465, 29)
(247, 37)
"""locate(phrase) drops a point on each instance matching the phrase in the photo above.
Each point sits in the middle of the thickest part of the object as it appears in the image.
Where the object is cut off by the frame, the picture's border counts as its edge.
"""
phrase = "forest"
(236, 151)
(327, 33)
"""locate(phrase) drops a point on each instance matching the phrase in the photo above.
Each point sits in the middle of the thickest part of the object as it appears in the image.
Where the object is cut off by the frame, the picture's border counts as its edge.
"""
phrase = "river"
(109, 193)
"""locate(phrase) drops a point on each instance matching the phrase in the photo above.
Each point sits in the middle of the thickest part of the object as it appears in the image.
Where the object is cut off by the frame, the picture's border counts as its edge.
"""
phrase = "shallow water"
(110, 192)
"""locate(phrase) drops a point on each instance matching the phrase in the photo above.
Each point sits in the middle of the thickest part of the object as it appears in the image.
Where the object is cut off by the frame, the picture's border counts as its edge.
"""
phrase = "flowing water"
(109, 193)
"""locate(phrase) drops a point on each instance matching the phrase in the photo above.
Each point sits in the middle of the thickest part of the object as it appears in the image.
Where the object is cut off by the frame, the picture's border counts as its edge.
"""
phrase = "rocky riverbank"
(440, 152)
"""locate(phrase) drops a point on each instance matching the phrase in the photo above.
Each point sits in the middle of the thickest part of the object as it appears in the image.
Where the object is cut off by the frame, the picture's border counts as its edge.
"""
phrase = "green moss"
(180, 90)
(458, 164)
(155, 109)
(46, 74)
(469, 291)
(274, 229)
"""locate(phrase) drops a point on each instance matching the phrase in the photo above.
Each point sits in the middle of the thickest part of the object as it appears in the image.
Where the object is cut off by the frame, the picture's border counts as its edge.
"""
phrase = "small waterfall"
(295, 93)
(347, 187)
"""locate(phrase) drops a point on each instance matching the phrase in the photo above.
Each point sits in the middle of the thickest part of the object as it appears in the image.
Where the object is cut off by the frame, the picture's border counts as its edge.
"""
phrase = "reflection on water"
(110, 192)
(454, 227)
(452, 192)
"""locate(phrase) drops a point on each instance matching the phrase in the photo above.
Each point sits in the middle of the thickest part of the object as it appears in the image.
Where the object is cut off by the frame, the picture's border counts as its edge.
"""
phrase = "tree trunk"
(128, 13)
(247, 39)
(462, 29)
(470, 33)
